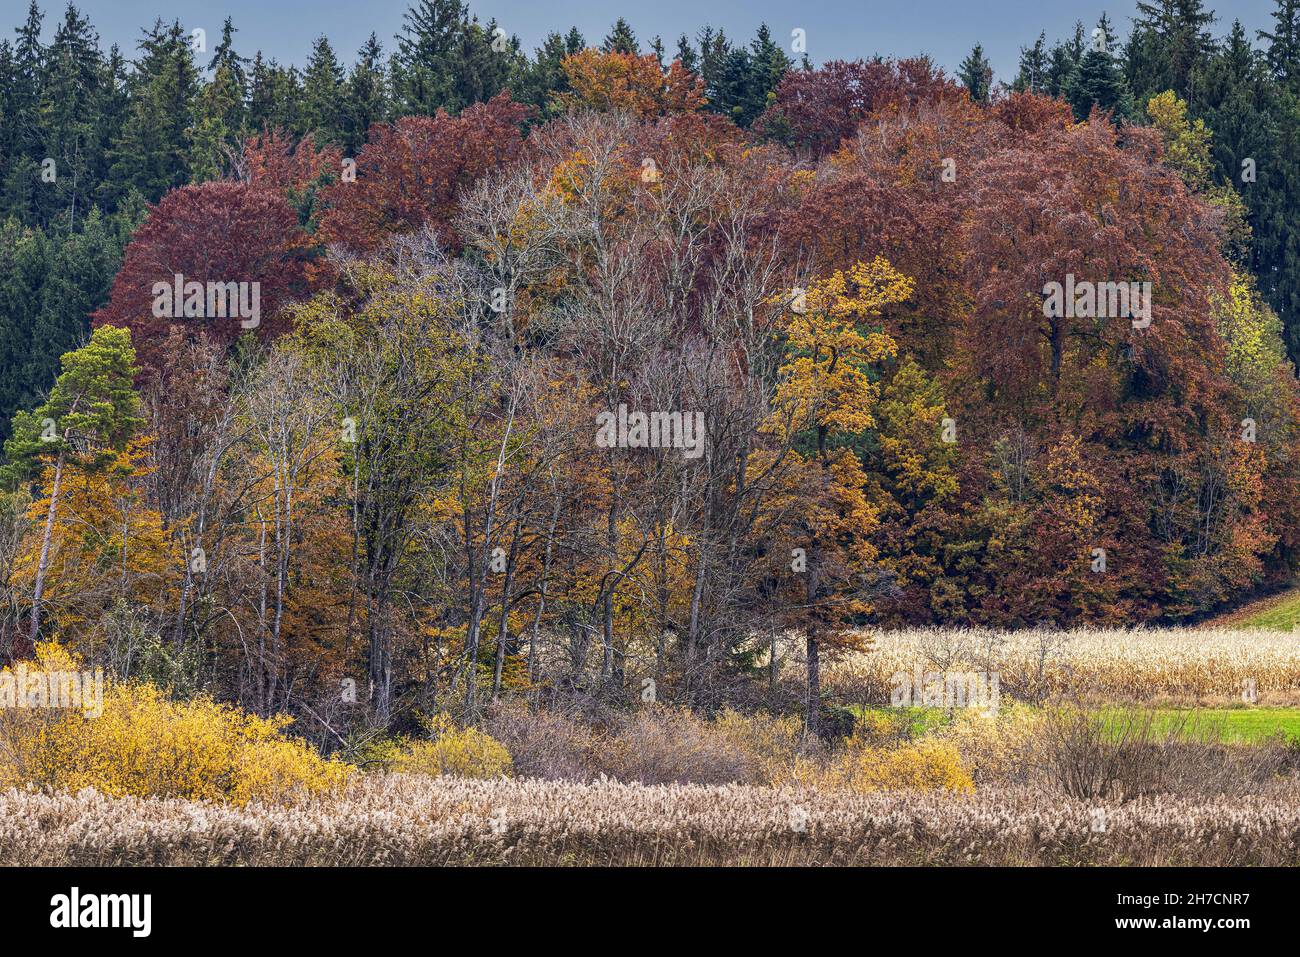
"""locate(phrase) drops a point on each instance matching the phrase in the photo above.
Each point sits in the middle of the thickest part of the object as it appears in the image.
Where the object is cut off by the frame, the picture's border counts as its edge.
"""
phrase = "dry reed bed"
(1198, 664)
(419, 820)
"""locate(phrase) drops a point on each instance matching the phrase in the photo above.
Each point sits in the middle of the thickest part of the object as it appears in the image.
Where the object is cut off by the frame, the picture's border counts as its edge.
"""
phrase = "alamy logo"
(214, 300)
(103, 910)
(946, 689)
(67, 690)
(1098, 300)
(654, 430)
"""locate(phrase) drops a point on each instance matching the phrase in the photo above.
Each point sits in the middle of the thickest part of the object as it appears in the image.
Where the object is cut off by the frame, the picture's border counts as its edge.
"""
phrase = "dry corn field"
(420, 820)
(1107, 665)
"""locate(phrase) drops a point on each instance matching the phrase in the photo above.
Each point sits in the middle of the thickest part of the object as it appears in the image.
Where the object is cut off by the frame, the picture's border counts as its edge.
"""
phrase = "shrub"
(1121, 755)
(451, 750)
(995, 747)
(543, 744)
(660, 745)
(653, 745)
(145, 744)
(925, 765)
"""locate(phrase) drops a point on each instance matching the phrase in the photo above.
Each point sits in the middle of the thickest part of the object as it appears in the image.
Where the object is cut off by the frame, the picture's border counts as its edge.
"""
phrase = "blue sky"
(946, 29)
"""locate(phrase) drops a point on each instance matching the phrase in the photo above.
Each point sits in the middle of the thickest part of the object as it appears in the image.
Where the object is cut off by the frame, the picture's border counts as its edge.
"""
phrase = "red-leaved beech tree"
(409, 173)
(238, 252)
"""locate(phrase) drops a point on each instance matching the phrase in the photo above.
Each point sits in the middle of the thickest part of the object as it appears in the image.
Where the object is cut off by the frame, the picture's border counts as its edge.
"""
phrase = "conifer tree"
(976, 74)
(322, 94)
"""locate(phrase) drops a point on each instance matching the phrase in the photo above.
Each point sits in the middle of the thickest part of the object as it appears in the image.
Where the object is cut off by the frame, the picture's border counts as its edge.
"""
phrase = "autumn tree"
(827, 391)
(409, 173)
(89, 418)
(615, 80)
(216, 233)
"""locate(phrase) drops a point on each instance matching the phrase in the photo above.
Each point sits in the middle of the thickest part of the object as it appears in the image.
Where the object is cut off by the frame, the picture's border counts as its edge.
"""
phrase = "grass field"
(1280, 612)
(1232, 725)
(1227, 725)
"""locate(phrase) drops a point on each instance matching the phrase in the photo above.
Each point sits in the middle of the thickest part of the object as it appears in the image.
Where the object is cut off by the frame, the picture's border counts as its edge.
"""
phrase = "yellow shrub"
(144, 744)
(459, 752)
(927, 765)
(993, 746)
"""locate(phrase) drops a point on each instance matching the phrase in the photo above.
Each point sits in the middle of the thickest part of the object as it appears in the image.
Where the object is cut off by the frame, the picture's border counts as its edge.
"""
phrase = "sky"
(835, 29)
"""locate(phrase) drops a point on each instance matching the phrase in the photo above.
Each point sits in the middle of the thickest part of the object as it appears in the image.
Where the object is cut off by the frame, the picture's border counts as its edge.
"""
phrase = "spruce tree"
(69, 97)
(218, 127)
(976, 74)
(686, 54)
(22, 122)
(78, 283)
(274, 97)
(427, 49)
(1284, 42)
(225, 55)
(1032, 74)
(621, 39)
(365, 96)
(322, 94)
(1179, 37)
(1098, 80)
(151, 151)
(770, 65)
(25, 255)
(1062, 61)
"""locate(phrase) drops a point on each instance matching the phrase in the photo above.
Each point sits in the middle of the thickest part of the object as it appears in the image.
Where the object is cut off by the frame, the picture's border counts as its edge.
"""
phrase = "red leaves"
(410, 171)
(818, 109)
(275, 160)
(215, 232)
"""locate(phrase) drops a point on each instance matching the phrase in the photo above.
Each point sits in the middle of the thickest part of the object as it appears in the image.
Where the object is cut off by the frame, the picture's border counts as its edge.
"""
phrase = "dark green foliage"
(976, 74)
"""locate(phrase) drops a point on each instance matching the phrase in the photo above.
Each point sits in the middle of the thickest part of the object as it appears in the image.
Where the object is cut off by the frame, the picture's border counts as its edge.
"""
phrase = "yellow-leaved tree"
(826, 397)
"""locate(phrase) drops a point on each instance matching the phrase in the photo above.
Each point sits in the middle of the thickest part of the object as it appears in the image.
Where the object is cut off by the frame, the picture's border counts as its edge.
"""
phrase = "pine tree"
(91, 413)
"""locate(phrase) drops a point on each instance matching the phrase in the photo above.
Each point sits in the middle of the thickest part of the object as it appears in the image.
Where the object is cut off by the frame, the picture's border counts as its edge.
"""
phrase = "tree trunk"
(43, 565)
(503, 631)
(812, 716)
